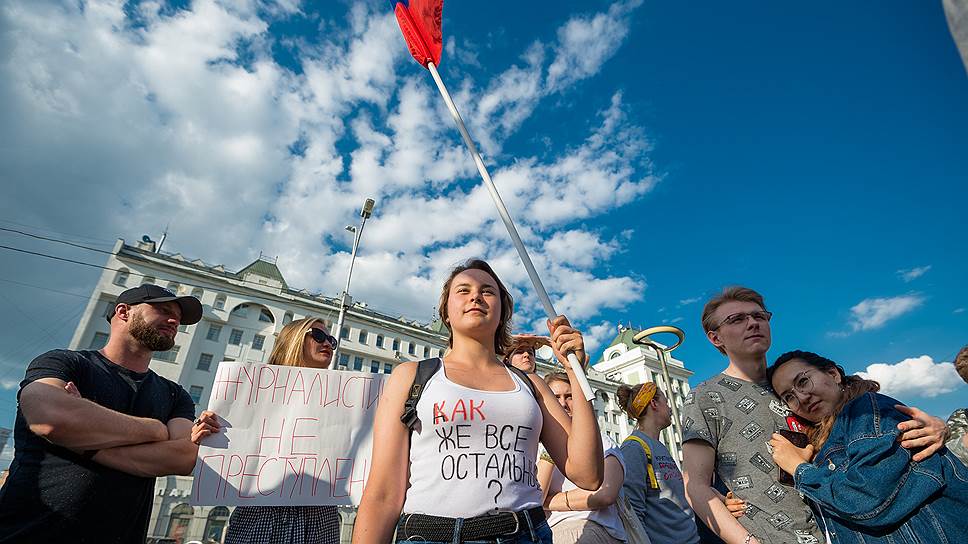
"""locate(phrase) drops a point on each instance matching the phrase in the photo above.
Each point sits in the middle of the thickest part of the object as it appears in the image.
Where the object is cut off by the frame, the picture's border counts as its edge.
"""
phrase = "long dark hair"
(502, 336)
(853, 386)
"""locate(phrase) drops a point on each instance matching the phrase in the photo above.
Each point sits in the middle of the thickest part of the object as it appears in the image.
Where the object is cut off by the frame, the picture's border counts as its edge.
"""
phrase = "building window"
(204, 361)
(379, 340)
(235, 338)
(148, 280)
(174, 286)
(287, 319)
(411, 348)
(426, 352)
(219, 302)
(214, 331)
(99, 341)
(167, 356)
(266, 316)
(344, 333)
(362, 336)
(242, 310)
(195, 392)
(258, 341)
(182, 328)
(387, 368)
(396, 344)
(121, 278)
(218, 518)
(344, 360)
(197, 293)
(357, 363)
(374, 366)
(181, 517)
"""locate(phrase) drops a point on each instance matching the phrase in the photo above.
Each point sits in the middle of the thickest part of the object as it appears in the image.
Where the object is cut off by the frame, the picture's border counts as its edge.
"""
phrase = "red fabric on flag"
(421, 27)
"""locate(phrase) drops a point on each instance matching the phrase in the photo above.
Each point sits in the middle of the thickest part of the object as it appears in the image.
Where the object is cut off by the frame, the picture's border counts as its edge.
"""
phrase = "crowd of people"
(797, 452)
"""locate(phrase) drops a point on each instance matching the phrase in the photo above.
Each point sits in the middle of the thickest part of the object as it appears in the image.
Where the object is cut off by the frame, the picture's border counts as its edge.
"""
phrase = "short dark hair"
(502, 336)
(733, 293)
(961, 363)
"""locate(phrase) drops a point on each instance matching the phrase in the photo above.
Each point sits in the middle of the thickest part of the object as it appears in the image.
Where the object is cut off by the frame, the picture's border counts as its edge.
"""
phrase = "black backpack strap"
(425, 369)
(524, 377)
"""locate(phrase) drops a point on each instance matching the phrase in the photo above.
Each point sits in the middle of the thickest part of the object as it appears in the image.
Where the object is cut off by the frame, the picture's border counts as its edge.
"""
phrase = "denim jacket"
(867, 489)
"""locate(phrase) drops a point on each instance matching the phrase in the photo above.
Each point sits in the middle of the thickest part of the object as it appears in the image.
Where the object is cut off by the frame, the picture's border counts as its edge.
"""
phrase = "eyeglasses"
(321, 336)
(741, 317)
(802, 385)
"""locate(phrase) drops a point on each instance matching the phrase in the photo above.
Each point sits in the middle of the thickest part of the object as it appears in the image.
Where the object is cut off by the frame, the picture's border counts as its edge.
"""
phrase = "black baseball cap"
(191, 308)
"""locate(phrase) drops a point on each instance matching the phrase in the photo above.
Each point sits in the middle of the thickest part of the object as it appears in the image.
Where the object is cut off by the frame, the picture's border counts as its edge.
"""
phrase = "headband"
(642, 399)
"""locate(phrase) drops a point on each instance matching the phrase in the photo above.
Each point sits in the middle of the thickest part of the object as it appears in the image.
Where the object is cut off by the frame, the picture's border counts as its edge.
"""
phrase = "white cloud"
(596, 337)
(9, 384)
(959, 310)
(688, 301)
(873, 313)
(910, 274)
(914, 377)
(184, 117)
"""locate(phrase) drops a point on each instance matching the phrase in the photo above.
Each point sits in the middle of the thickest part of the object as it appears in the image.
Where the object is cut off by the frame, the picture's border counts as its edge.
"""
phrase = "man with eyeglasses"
(727, 422)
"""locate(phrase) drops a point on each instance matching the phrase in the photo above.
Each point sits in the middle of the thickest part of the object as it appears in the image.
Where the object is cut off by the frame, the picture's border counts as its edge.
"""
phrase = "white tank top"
(474, 451)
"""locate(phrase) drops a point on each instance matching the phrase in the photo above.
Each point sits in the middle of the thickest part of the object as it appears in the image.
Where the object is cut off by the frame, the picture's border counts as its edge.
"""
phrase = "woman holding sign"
(467, 471)
(301, 343)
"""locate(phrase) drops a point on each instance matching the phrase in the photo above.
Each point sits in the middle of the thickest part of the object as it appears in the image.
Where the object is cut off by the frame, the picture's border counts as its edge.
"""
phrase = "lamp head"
(367, 208)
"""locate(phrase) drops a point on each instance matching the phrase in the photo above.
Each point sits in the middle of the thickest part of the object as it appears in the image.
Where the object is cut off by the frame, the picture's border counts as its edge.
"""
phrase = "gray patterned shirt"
(737, 418)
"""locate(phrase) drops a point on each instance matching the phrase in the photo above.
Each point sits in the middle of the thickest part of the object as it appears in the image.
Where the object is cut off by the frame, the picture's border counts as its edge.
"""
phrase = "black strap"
(427, 368)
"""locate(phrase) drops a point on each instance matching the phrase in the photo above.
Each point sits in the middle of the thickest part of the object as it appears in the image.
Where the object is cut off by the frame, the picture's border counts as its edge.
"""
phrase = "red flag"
(420, 22)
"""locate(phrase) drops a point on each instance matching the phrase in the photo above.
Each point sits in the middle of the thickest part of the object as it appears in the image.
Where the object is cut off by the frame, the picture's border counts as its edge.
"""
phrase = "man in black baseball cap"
(191, 308)
(94, 429)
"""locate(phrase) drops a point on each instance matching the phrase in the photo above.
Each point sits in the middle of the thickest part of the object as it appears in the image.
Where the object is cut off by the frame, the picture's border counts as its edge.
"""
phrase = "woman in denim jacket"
(863, 484)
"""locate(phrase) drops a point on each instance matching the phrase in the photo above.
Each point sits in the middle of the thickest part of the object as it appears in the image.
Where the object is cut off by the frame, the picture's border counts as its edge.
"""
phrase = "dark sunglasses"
(321, 336)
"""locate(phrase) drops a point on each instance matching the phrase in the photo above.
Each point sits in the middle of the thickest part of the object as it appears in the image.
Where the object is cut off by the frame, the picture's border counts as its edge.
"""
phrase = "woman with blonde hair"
(653, 482)
(304, 343)
(465, 470)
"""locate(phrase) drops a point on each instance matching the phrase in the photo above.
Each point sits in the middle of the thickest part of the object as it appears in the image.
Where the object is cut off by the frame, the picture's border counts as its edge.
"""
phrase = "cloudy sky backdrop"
(649, 152)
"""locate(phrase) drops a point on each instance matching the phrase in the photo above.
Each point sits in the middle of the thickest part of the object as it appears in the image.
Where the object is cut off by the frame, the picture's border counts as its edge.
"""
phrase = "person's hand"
(205, 425)
(72, 390)
(787, 456)
(921, 431)
(564, 340)
(736, 507)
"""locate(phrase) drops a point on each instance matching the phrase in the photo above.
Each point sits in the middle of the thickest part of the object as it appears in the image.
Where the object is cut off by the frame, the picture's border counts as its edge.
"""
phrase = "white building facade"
(242, 314)
(627, 362)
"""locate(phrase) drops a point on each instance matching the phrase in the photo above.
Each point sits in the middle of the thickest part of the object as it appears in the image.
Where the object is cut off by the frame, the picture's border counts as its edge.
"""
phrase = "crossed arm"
(135, 445)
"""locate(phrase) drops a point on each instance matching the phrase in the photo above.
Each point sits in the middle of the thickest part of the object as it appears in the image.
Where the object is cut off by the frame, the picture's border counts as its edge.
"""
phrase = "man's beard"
(147, 336)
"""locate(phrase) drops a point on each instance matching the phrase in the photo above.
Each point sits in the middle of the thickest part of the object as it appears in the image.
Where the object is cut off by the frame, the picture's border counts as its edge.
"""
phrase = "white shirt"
(606, 517)
(473, 451)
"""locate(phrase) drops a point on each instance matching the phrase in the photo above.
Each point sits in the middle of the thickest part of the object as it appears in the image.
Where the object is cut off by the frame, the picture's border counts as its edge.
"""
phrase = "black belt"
(483, 527)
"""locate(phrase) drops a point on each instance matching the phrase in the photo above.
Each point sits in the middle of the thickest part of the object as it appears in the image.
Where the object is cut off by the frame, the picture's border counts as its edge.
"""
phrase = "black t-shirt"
(55, 495)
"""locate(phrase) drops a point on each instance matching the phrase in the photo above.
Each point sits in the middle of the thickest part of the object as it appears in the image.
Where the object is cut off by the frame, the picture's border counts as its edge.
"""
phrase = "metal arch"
(643, 337)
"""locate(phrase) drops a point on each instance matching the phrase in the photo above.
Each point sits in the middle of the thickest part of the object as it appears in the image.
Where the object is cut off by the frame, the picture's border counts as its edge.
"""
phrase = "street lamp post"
(662, 354)
(345, 299)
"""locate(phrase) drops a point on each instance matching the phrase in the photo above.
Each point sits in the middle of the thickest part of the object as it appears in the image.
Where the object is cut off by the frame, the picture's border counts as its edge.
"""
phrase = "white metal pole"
(346, 293)
(506, 217)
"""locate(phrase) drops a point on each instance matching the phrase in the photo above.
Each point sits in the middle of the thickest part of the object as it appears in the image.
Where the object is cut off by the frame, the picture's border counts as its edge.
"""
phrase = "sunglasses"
(321, 336)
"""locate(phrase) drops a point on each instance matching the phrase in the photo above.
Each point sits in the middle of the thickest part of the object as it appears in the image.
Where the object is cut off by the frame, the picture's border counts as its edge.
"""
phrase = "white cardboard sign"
(290, 436)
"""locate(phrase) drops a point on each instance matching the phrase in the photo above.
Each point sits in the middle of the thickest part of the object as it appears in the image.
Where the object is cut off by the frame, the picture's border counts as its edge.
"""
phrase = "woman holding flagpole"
(467, 471)
(306, 343)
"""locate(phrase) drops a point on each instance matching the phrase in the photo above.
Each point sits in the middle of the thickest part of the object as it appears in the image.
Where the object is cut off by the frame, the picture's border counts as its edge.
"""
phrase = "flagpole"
(506, 217)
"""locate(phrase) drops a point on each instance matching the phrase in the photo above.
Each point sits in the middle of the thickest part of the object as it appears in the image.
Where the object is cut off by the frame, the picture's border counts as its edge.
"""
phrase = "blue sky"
(651, 152)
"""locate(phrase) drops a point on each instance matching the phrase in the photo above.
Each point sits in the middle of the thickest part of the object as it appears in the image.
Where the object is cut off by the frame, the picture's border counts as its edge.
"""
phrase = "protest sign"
(290, 436)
